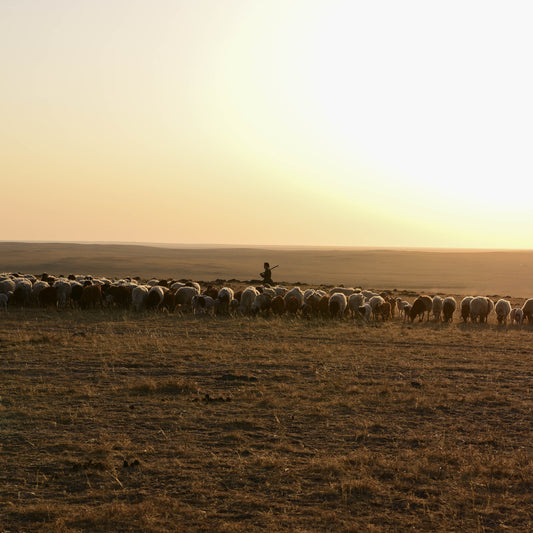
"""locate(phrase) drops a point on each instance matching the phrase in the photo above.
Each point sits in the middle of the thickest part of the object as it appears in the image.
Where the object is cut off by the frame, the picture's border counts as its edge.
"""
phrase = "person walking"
(267, 275)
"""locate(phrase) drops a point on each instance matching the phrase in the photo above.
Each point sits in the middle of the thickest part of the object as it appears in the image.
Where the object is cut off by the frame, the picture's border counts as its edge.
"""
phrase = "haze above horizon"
(299, 122)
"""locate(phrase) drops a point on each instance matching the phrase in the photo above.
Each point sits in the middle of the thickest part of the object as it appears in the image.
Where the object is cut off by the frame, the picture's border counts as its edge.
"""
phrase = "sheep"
(38, 286)
(213, 292)
(75, 293)
(22, 295)
(383, 311)
(392, 301)
(119, 295)
(91, 296)
(347, 291)
(376, 301)
(247, 300)
(223, 300)
(308, 293)
(261, 303)
(156, 295)
(48, 297)
(423, 304)
(480, 307)
(297, 293)
(436, 307)
(517, 316)
(355, 301)
(527, 310)
(184, 296)
(63, 292)
(465, 308)
(337, 304)
(368, 294)
(292, 304)
(503, 310)
(280, 290)
(203, 305)
(448, 308)
(234, 305)
(401, 304)
(311, 298)
(7, 285)
(323, 306)
(138, 297)
(366, 311)
(278, 305)
(194, 284)
(4, 298)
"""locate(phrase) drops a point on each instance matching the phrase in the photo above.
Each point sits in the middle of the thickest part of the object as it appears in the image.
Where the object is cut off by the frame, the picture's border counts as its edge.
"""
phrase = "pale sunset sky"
(294, 122)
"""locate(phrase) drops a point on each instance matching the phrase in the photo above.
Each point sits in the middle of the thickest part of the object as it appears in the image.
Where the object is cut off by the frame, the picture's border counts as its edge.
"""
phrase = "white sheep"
(347, 291)
(280, 290)
(376, 301)
(261, 302)
(297, 293)
(355, 301)
(63, 292)
(527, 310)
(337, 304)
(480, 307)
(7, 285)
(223, 301)
(247, 300)
(402, 305)
(503, 310)
(138, 297)
(369, 294)
(436, 307)
(184, 296)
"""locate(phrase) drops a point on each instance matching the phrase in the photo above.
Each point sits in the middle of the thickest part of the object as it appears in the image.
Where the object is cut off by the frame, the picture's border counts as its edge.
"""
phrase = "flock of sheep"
(87, 292)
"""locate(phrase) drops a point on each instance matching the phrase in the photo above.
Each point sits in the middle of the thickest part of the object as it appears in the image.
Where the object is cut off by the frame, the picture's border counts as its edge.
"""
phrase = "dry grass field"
(119, 421)
(115, 421)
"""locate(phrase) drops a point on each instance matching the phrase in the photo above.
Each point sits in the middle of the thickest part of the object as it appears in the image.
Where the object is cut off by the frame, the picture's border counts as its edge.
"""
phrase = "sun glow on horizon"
(299, 122)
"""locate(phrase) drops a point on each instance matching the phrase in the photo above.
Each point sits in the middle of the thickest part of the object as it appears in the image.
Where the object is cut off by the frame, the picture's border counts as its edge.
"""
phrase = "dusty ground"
(111, 421)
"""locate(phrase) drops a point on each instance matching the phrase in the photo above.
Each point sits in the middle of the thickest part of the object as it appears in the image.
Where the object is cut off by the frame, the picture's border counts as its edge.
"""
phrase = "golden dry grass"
(113, 421)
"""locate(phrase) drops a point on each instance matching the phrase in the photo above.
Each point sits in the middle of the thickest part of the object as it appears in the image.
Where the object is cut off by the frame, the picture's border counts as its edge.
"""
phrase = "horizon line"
(302, 247)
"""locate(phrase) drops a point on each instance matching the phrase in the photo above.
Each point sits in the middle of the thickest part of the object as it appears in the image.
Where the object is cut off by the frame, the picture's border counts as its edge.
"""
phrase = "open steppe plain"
(118, 421)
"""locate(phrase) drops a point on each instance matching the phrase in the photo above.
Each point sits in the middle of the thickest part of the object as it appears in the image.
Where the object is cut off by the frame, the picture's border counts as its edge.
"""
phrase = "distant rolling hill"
(458, 272)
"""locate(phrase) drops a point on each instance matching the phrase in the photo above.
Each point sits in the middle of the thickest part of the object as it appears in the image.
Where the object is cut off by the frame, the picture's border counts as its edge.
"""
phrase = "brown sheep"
(120, 295)
(323, 306)
(48, 297)
(91, 297)
(420, 306)
(384, 311)
(277, 305)
(292, 305)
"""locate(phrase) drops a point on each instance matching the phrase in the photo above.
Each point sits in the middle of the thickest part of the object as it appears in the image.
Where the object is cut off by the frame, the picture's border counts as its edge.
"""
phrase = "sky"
(294, 122)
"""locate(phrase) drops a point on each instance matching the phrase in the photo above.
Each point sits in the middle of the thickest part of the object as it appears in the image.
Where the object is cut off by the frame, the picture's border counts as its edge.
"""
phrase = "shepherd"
(267, 274)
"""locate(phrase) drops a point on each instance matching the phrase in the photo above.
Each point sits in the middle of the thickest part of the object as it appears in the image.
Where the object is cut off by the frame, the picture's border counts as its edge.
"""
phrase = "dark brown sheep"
(91, 297)
(277, 305)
